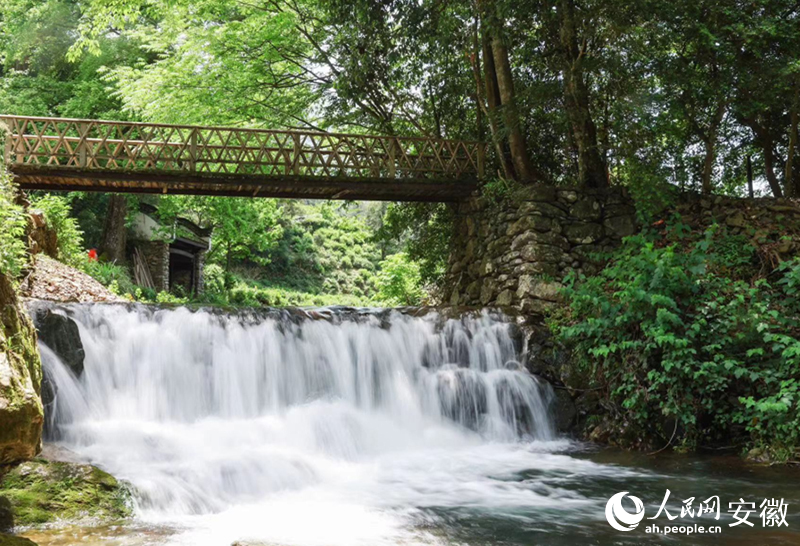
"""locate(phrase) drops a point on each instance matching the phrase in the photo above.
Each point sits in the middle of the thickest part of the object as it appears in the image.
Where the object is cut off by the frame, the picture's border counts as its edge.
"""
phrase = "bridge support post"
(83, 129)
(19, 149)
(193, 151)
(392, 158)
(7, 150)
(296, 154)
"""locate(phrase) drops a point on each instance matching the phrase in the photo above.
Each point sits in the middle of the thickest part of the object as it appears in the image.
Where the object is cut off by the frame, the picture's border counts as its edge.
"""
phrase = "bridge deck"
(90, 155)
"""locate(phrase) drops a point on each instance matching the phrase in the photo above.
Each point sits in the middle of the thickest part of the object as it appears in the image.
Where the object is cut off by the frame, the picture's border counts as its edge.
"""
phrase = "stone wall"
(773, 225)
(199, 277)
(516, 251)
(156, 254)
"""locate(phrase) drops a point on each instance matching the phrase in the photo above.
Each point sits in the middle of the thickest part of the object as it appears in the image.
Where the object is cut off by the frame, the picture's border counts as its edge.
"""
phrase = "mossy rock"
(21, 415)
(11, 540)
(43, 492)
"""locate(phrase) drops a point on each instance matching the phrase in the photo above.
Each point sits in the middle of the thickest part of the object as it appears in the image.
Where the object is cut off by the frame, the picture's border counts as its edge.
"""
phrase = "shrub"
(678, 347)
(57, 212)
(214, 278)
(165, 297)
(114, 276)
(12, 229)
(399, 281)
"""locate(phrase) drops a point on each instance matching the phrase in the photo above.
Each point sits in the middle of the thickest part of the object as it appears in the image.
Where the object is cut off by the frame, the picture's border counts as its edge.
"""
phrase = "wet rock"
(60, 333)
(600, 433)
(40, 492)
(462, 397)
(564, 410)
(11, 540)
(6, 515)
(758, 455)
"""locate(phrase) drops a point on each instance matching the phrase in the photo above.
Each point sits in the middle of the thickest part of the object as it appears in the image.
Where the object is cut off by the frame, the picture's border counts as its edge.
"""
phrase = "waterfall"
(209, 414)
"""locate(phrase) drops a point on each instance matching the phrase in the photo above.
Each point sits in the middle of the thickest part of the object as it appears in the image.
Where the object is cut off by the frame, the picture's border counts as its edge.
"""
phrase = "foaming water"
(310, 429)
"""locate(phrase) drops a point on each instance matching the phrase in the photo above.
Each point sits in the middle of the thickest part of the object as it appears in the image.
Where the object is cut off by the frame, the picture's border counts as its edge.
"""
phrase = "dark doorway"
(181, 271)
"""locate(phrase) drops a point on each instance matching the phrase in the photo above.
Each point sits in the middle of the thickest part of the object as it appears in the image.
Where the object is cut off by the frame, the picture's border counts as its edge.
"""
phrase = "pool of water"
(481, 497)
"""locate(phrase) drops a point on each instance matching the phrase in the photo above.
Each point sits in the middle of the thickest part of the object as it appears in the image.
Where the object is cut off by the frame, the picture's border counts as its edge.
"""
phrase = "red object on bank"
(93, 255)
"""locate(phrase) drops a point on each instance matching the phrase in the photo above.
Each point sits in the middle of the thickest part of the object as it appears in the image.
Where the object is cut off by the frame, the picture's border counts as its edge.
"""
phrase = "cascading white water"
(240, 427)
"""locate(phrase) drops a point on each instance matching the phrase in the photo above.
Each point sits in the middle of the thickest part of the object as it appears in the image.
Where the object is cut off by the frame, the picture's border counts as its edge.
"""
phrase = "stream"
(362, 428)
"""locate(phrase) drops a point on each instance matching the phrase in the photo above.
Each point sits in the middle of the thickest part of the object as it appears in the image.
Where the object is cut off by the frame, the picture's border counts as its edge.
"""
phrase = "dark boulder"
(564, 410)
(6, 515)
(60, 333)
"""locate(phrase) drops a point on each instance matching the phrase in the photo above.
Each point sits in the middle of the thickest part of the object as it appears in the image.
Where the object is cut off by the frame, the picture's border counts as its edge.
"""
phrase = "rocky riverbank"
(52, 280)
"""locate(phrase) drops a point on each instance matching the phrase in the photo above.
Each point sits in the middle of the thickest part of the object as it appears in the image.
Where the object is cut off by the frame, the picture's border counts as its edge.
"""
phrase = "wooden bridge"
(115, 156)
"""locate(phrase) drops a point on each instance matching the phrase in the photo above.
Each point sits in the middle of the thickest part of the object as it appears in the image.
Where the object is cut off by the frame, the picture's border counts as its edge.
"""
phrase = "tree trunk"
(765, 141)
(476, 71)
(591, 166)
(789, 182)
(708, 165)
(750, 176)
(710, 141)
(493, 105)
(769, 169)
(112, 246)
(526, 173)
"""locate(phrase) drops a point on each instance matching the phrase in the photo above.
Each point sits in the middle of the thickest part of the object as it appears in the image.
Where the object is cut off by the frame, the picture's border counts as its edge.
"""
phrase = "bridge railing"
(131, 146)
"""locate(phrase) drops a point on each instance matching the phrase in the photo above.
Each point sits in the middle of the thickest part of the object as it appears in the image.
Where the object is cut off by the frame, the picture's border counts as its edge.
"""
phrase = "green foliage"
(13, 220)
(164, 297)
(250, 294)
(58, 215)
(425, 231)
(325, 248)
(671, 335)
(399, 281)
(498, 189)
(115, 277)
(242, 228)
(214, 277)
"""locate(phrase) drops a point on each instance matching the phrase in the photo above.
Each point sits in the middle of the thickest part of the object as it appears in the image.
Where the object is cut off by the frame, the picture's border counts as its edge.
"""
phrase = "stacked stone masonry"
(515, 252)
(156, 254)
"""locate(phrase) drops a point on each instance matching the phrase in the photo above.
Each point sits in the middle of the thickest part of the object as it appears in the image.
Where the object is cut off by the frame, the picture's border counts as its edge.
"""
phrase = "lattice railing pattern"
(127, 146)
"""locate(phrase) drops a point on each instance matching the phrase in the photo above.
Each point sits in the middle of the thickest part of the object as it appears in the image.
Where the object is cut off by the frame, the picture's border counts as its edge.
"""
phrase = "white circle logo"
(619, 518)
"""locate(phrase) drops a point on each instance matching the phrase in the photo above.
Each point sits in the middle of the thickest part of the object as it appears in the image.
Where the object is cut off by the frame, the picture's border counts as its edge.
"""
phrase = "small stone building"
(173, 255)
